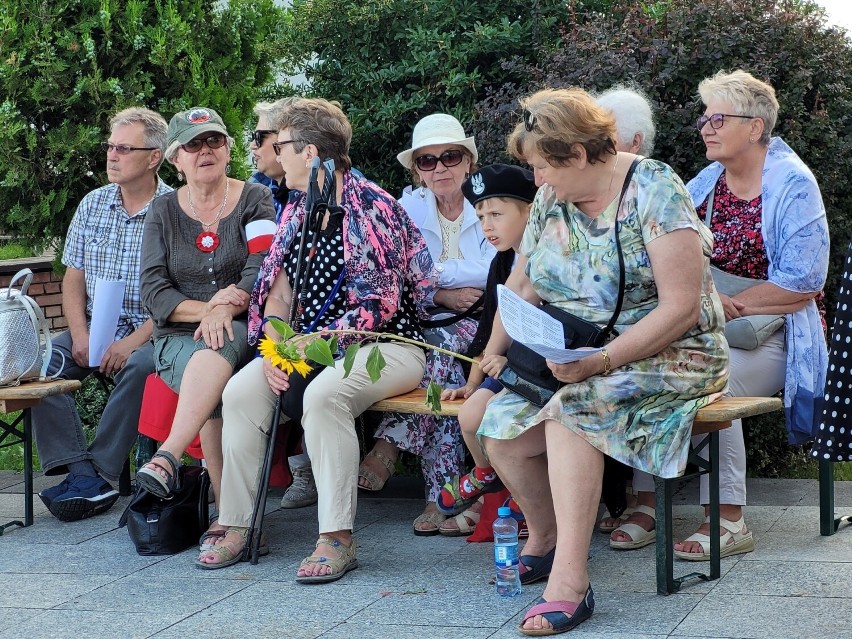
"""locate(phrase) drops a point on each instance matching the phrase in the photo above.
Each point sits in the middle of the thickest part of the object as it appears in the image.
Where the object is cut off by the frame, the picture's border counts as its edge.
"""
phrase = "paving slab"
(767, 617)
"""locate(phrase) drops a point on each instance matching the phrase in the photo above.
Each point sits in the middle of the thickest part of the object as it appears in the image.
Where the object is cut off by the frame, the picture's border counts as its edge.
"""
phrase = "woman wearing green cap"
(201, 251)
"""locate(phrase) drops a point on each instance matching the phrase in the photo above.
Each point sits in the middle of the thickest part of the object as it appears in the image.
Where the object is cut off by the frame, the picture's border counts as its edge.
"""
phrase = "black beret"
(500, 180)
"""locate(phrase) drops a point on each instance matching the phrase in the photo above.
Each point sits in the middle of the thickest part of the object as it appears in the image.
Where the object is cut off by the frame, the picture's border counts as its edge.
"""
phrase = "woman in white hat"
(440, 159)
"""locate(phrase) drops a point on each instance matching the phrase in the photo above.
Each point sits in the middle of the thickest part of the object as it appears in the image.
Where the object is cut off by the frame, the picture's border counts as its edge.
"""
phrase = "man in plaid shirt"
(104, 242)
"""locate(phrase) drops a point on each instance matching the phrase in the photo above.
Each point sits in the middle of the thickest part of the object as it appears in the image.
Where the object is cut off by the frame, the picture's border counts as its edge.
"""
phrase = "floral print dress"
(641, 414)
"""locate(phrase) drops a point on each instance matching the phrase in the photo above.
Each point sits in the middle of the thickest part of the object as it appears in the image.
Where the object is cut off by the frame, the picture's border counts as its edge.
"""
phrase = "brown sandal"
(435, 518)
(374, 482)
(339, 565)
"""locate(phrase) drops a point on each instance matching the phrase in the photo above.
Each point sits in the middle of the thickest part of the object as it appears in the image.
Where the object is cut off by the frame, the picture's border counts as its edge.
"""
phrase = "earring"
(422, 192)
(751, 140)
(228, 168)
(180, 176)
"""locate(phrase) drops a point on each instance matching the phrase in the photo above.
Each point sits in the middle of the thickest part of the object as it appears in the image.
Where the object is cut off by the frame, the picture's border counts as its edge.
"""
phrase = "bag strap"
(708, 214)
(447, 321)
(612, 320)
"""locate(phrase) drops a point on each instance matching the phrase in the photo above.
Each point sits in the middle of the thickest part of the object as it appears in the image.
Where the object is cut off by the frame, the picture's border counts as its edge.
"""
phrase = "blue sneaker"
(49, 494)
(85, 497)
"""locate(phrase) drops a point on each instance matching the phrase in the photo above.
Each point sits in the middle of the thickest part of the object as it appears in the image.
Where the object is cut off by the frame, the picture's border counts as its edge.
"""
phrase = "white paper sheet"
(535, 329)
(106, 309)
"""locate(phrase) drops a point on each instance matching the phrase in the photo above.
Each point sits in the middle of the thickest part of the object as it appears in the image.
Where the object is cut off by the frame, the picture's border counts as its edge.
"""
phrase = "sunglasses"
(453, 157)
(259, 136)
(215, 141)
(277, 146)
(529, 121)
(717, 120)
(124, 149)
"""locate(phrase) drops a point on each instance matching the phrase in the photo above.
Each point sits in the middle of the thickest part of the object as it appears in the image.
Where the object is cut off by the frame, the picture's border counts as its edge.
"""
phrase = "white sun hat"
(438, 128)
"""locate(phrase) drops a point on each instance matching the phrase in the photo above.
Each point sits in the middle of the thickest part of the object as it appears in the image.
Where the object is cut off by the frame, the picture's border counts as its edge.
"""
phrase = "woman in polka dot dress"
(834, 438)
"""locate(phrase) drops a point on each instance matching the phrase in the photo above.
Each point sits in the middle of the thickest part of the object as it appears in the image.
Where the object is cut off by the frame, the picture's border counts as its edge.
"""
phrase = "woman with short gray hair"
(769, 229)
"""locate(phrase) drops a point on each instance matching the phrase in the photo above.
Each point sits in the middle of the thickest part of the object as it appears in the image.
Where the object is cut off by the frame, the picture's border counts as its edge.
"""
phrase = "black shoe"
(49, 494)
(85, 497)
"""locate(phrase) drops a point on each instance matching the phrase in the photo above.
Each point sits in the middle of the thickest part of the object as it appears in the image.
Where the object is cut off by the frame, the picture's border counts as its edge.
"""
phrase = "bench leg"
(666, 583)
(715, 527)
(19, 431)
(124, 488)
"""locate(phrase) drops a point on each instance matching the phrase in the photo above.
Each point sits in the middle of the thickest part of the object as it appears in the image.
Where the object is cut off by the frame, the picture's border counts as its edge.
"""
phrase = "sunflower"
(284, 356)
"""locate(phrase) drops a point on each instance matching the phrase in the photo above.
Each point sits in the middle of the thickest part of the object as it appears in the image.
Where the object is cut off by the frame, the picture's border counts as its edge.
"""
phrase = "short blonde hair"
(746, 94)
(557, 119)
(321, 123)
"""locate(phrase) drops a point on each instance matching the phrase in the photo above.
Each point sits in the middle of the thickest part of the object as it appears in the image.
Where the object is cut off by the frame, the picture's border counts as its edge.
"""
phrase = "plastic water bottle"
(506, 553)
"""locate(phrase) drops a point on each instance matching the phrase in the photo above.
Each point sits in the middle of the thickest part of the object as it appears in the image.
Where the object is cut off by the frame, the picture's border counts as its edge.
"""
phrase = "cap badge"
(478, 184)
(198, 116)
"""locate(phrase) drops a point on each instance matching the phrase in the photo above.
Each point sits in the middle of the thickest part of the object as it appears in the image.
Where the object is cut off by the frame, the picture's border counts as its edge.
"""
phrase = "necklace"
(608, 190)
(207, 241)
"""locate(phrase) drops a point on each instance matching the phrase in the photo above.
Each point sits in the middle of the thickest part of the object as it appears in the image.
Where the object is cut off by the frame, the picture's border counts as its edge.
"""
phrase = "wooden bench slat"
(28, 394)
(722, 410)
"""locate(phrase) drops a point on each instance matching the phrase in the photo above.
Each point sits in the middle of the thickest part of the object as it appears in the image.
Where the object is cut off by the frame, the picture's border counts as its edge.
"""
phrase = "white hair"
(632, 111)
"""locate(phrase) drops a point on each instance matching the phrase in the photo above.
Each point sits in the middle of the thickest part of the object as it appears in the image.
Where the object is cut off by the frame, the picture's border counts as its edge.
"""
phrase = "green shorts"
(172, 354)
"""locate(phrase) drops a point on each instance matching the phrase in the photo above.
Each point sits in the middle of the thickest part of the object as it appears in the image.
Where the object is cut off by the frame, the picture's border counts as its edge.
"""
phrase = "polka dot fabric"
(834, 438)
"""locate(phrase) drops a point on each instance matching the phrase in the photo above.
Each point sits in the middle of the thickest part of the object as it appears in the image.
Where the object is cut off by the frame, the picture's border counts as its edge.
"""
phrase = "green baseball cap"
(186, 125)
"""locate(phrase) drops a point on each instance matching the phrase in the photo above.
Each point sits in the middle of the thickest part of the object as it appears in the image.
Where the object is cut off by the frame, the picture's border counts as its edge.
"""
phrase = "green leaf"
(433, 397)
(349, 359)
(375, 364)
(332, 344)
(319, 352)
(282, 328)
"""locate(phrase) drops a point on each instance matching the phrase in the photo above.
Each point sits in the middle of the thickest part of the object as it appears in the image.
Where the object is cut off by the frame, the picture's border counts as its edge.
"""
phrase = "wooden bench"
(19, 430)
(708, 422)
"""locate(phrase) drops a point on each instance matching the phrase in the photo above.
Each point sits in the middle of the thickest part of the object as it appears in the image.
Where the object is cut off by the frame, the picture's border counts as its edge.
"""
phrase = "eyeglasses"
(717, 120)
(259, 136)
(277, 146)
(215, 141)
(124, 149)
(453, 157)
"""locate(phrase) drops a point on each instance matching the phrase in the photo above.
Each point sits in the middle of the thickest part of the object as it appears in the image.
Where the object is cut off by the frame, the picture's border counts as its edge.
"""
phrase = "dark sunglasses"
(453, 157)
(124, 149)
(215, 141)
(277, 146)
(717, 120)
(259, 135)
(529, 121)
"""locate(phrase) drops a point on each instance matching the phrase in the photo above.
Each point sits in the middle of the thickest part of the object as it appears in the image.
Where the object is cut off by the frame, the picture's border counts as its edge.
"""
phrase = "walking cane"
(315, 201)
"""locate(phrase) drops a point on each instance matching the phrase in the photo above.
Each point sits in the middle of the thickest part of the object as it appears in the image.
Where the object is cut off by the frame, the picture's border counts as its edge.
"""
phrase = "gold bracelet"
(607, 363)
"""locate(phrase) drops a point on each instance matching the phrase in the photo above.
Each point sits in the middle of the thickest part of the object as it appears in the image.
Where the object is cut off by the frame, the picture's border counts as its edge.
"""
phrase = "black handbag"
(168, 526)
(526, 372)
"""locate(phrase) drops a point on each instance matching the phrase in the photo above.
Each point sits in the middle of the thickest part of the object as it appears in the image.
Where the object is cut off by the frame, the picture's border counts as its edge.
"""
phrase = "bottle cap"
(504, 511)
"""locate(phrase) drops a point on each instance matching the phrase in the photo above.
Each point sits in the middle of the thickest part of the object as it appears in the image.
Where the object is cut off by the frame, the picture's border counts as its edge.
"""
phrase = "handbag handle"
(612, 320)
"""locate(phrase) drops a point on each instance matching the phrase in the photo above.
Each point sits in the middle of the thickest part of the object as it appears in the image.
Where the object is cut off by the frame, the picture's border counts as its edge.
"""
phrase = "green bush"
(69, 65)
(392, 62)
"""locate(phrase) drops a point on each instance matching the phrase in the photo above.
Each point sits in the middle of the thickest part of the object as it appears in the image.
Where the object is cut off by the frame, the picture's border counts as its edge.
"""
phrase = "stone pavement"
(84, 579)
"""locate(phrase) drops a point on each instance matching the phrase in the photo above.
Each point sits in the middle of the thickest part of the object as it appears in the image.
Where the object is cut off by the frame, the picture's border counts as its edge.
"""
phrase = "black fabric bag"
(168, 526)
(526, 372)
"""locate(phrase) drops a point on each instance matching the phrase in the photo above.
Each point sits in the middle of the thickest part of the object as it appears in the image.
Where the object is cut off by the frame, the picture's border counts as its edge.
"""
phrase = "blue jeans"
(56, 424)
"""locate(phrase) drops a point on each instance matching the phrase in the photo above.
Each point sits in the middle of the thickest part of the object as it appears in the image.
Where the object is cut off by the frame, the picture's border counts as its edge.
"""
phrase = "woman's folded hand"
(214, 325)
(230, 296)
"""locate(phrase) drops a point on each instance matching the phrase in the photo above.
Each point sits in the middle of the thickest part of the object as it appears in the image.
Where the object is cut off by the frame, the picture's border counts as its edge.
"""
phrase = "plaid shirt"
(104, 242)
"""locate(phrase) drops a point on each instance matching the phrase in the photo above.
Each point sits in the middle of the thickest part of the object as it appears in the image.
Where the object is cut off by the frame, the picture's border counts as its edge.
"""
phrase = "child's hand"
(492, 365)
(458, 393)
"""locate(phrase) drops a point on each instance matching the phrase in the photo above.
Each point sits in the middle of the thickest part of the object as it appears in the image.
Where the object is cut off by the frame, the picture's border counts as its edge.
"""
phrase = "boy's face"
(503, 221)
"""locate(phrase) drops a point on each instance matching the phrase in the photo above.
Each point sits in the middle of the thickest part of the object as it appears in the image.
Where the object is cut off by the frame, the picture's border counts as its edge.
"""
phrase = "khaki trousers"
(331, 404)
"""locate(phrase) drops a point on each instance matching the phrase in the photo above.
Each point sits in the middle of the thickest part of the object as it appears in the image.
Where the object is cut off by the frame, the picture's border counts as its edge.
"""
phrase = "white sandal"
(639, 537)
(606, 530)
(734, 541)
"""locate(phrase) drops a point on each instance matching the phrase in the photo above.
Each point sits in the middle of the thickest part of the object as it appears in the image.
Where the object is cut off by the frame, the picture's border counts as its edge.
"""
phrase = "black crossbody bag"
(526, 372)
